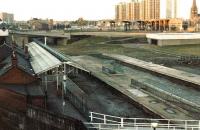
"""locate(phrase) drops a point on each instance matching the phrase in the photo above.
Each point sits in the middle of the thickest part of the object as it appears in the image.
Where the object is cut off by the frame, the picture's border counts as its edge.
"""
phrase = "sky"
(74, 9)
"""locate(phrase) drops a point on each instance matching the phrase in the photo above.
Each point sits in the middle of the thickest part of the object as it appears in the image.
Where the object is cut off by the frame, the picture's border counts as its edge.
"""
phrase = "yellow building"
(176, 24)
(142, 9)
(120, 11)
(127, 11)
(135, 10)
(152, 9)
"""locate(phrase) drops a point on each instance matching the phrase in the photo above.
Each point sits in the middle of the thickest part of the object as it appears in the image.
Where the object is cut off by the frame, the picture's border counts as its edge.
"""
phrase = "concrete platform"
(177, 74)
(122, 84)
(165, 39)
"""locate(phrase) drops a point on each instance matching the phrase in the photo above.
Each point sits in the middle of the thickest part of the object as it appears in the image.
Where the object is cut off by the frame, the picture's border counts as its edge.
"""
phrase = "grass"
(167, 55)
(177, 50)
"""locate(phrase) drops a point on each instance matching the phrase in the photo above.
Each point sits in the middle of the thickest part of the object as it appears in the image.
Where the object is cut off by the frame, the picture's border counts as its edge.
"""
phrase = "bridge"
(45, 34)
(54, 37)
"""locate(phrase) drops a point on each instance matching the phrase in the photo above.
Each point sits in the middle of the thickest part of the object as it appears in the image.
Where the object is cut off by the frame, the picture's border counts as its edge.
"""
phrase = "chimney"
(14, 59)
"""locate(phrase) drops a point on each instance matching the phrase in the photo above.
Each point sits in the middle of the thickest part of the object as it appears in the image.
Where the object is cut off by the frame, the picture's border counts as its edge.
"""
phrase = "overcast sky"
(73, 9)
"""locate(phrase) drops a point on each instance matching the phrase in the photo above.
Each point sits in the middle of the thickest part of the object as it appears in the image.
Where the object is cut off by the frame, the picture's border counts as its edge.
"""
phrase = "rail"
(104, 122)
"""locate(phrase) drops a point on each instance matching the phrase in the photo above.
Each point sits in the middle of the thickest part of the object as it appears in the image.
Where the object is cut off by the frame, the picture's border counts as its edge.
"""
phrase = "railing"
(58, 121)
(104, 122)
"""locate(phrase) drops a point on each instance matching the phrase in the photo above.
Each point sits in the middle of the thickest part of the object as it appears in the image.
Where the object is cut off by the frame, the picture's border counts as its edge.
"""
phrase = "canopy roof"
(41, 60)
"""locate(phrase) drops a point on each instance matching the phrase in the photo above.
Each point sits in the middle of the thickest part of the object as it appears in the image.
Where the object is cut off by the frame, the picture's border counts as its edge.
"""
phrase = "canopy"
(41, 59)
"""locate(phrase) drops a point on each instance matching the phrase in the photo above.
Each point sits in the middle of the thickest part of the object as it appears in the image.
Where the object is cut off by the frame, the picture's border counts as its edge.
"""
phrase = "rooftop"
(41, 60)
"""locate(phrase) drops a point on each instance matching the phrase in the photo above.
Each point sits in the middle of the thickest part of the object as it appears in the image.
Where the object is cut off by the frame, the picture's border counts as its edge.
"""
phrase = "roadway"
(45, 34)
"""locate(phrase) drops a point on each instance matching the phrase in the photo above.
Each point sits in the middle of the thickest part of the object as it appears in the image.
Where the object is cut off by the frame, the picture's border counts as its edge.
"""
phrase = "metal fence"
(107, 122)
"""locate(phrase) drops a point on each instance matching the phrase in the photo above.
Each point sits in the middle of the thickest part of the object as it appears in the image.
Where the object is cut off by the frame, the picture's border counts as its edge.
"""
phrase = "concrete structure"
(157, 24)
(7, 17)
(122, 83)
(165, 39)
(25, 37)
(171, 8)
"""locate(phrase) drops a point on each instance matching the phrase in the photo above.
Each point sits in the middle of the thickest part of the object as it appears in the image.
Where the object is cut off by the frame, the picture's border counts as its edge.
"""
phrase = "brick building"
(19, 86)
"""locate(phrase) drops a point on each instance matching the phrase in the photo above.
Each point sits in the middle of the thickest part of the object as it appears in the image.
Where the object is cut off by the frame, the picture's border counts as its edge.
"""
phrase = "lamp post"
(63, 89)
(154, 125)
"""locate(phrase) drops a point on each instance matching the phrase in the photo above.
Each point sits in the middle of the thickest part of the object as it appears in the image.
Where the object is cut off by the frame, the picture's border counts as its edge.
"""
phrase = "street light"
(154, 125)
(64, 87)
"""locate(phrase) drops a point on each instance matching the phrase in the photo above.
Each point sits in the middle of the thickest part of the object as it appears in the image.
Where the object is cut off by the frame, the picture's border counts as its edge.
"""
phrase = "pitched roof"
(27, 90)
(22, 63)
(5, 50)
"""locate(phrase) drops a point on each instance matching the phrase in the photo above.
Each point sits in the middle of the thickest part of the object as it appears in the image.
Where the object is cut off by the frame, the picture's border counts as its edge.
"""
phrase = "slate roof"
(5, 51)
(23, 63)
(27, 90)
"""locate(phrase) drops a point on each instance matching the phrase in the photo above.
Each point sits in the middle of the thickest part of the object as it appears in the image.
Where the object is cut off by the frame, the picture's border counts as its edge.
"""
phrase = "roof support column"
(57, 78)
(164, 25)
(45, 89)
(64, 89)
(45, 41)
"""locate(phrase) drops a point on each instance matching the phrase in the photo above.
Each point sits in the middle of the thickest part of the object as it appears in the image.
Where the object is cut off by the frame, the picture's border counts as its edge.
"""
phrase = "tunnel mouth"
(154, 41)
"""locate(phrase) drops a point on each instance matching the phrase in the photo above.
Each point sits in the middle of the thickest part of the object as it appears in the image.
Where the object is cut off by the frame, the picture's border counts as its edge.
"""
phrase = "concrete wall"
(19, 39)
(178, 42)
(175, 42)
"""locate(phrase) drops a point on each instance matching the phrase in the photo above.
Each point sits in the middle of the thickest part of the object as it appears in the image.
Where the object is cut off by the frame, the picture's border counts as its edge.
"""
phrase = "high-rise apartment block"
(120, 11)
(152, 9)
(171, 8)
(127, 11)
(7, 17)
(138, 10)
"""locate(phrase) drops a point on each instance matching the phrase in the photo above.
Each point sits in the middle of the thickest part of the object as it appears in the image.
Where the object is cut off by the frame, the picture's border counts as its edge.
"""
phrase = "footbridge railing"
(107, 122)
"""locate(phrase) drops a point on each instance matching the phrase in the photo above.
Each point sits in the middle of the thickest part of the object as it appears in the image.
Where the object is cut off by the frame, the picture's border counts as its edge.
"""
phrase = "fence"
(48, 119)
(101, 121)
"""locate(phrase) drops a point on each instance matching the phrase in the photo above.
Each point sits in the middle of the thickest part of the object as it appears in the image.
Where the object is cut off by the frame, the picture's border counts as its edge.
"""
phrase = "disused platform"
(170, 72)
(122, 83)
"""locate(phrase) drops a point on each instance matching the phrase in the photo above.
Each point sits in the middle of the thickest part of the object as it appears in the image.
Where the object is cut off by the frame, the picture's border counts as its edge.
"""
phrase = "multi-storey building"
(152, 9)
(121, 11)
(171, 8)
(127, 11)
(7, 17)
(142, 9)
(135, 10)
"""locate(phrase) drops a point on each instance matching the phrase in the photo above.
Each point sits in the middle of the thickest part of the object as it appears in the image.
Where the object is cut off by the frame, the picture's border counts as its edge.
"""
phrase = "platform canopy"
(41, 59)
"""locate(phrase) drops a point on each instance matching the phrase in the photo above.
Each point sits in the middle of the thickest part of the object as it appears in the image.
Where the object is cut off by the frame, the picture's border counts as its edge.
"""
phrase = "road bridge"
(26, 37)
